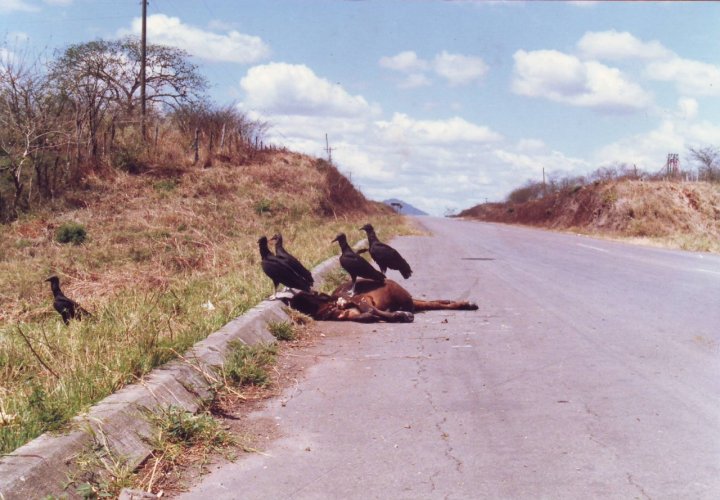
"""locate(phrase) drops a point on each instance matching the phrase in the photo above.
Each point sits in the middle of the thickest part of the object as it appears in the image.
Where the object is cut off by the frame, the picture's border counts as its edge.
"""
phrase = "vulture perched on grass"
(384, 255)
(67, 308)
(355, 265)
(279, 271)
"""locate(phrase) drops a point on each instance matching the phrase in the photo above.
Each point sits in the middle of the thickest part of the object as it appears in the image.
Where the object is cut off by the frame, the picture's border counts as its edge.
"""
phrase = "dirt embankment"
(682, 215)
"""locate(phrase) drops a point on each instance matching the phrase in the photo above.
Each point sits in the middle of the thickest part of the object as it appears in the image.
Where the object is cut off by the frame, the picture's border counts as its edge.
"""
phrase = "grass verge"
(159, 270)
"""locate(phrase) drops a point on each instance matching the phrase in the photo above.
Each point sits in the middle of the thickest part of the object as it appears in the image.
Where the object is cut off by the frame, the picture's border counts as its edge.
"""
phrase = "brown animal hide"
(372, 302)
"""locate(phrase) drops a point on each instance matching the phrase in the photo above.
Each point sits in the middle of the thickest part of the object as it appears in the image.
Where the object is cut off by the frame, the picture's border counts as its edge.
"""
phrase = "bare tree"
(30, 127)
(171, 78)
(708, 162)
(101, 80)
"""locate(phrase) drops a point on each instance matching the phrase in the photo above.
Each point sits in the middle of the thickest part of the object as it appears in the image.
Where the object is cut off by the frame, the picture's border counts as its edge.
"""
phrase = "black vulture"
(356, 265)
(297, 266)
(384, 255)
(68, 308)
(279, 271)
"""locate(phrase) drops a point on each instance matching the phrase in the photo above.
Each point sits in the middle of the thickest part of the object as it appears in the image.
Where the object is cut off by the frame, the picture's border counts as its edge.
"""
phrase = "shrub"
(128, 160)
(71, 232)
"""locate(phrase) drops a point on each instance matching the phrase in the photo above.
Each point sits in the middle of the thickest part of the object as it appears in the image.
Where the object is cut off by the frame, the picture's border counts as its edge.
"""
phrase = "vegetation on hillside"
(78, 115)
(624, 203)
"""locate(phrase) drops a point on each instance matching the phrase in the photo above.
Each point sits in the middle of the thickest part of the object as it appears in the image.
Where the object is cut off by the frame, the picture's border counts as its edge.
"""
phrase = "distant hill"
(407, 209)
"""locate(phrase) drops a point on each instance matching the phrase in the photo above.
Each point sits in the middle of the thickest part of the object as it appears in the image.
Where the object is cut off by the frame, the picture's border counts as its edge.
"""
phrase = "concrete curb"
(42, 466)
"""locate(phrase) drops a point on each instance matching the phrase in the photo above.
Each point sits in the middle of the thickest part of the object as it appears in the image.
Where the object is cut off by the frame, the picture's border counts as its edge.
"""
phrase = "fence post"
(222, 138)
(196, 145)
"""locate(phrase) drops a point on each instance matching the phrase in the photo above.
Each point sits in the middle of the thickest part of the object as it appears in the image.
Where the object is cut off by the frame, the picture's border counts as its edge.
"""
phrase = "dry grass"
(673, 214)
(170, 256)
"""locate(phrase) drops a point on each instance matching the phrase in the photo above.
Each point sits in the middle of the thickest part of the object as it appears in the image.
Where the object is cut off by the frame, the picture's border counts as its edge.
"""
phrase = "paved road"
(592, 369)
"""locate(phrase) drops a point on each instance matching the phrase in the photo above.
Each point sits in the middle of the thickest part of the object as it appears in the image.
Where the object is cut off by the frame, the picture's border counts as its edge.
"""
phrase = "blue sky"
(441, 104)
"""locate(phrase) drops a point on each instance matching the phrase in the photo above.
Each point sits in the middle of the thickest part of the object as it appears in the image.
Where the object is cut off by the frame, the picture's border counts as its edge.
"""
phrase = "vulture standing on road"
(356, 265)
(279, 271)
(68, 308)
(384, 255)
(297, 266)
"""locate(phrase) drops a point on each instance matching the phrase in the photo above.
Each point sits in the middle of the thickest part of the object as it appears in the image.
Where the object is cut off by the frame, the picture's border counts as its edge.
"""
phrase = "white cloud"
(530, 145)
(527, 165)
(17, 5)
(406, 62)
(18, 36)
(414, 80)
(691, 77)
(294, 89)
(459, 69)
(232, 46)
(360, 164)
(404, 129)
(687, 108)
(6, 57)
(648, 150)
(564, 78)
(614, 45)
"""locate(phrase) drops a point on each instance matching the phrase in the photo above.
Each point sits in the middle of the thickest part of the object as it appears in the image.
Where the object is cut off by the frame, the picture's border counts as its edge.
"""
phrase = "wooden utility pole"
(328, 149)
(143, 63)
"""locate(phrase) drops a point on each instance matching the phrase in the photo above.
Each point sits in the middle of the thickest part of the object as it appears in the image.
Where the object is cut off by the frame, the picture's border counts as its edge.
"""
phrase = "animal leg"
(433, 305)
(352, 289)
(374, 314)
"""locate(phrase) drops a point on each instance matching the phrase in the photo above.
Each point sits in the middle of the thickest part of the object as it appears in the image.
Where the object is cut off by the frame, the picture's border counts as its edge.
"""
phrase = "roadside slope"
(170, 256)
(681, 215)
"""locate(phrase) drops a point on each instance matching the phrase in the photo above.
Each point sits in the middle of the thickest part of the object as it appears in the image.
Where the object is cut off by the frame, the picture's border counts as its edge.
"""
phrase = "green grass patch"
(282, 330)
(249, 365)
(177, 428)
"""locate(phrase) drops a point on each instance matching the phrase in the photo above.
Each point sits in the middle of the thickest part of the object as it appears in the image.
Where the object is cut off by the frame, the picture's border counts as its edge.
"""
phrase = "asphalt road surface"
(591, 370)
